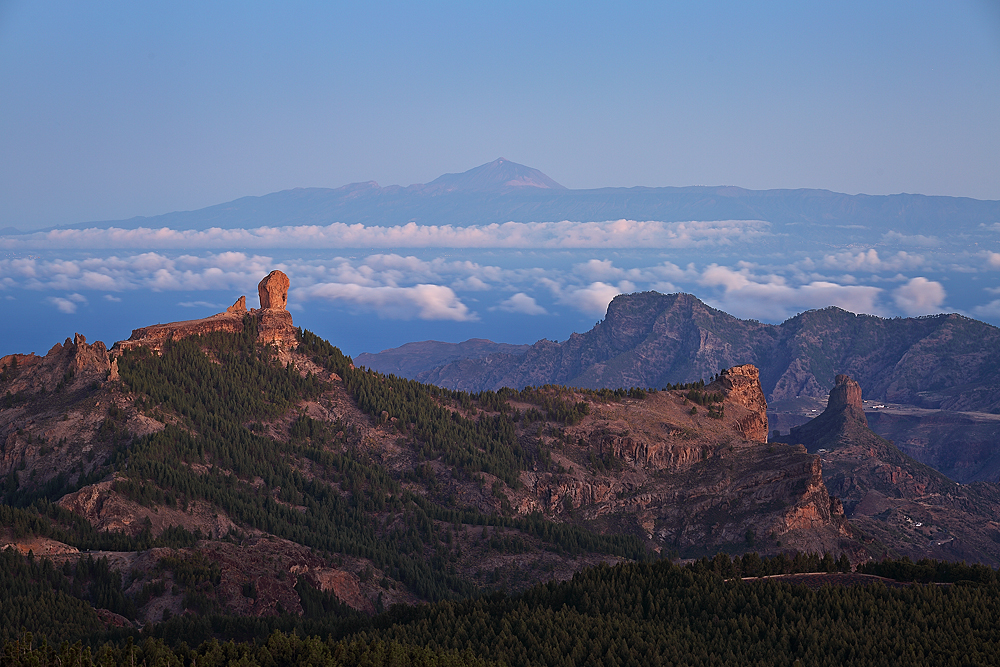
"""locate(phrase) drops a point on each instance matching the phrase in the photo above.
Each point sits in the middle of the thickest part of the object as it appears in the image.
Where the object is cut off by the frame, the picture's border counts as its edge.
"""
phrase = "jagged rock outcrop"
(238, 308)
(344, 585)
(18, 361)
(846, 395)
(688, 478)
(842, 423)
(71, 363)
(274, 322)
(108, 510)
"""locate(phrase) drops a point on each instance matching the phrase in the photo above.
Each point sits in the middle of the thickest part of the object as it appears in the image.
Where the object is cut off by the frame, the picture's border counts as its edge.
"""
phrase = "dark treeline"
(661, 614)
(630, 614)
(279, 650)
(36, 594)
(928, 570)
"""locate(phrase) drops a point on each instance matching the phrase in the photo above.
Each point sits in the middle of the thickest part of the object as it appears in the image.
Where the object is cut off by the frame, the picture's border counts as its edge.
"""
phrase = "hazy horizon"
(117, 111)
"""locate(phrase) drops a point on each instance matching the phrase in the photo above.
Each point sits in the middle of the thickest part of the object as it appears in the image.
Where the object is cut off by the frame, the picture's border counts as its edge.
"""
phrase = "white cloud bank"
(397, 286)
(919, 296)
(745, 294)
(594, 298)
(426, 302)
(523, 304)
(565, 234)
(870, 261)
(68, 303)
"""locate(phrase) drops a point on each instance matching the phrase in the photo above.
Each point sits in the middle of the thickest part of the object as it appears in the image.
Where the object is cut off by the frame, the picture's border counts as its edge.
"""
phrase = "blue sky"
(116, 109)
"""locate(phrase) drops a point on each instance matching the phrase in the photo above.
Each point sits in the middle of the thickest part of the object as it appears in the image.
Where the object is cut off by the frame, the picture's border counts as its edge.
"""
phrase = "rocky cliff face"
(71, 363)
(846, 396)
(686, 480)
(274, 322)
(842, 423)
(53, 409)
(273, 291)
(910, 508)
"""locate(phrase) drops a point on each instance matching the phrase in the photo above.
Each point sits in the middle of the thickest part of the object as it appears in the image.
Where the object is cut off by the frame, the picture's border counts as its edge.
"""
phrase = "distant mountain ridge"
(412, 358)
(650, 339)
(504, 191)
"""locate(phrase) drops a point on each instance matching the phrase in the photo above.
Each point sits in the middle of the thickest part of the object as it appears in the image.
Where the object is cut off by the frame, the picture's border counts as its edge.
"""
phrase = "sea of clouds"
(564, 272)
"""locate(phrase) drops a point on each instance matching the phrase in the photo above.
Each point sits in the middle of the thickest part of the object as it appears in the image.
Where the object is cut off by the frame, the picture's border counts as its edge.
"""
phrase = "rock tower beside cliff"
(274, 322)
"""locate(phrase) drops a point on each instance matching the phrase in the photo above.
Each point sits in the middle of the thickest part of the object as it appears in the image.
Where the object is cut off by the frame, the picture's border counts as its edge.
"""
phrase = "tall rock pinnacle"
(273, 291)
(742, 386)
(843, 421)
(846, 395)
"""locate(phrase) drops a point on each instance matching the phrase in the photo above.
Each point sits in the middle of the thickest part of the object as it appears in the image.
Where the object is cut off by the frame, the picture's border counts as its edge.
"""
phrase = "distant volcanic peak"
(501, 174)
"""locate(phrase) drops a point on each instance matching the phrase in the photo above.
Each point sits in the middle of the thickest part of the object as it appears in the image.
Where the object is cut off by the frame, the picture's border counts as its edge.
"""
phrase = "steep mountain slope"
(908, 507)
(237, 464)
(646, 340)
(650, 339)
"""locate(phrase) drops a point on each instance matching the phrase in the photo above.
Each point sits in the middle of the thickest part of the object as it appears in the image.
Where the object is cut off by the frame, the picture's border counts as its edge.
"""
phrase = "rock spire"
(273, 291)
(741, 385)
(274, 322)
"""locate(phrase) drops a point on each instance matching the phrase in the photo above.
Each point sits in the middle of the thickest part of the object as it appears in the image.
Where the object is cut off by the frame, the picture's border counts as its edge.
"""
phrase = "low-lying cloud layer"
(565, 234)
(537, 269)
(407, 287)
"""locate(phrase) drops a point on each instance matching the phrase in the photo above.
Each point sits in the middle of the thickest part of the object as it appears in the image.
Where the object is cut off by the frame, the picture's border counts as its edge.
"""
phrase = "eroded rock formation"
(238, 308)
(70, 363)
(274, 322)
(741, 385)
(685, 476)
(846, 395)
(273, 291)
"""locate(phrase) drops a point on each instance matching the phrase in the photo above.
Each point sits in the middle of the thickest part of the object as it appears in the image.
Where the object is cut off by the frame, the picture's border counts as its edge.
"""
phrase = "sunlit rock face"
(273, 291)
(741, 385)
(274, 322)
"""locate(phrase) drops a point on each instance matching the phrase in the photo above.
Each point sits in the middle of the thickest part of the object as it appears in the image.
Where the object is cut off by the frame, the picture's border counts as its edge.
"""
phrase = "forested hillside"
(743, 611)
(231, 490)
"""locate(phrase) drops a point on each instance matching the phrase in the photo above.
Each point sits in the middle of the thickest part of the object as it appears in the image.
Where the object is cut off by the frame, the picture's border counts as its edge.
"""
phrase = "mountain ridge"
(258, 455)
(650, 339)
(504, 192)
(236, 465)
